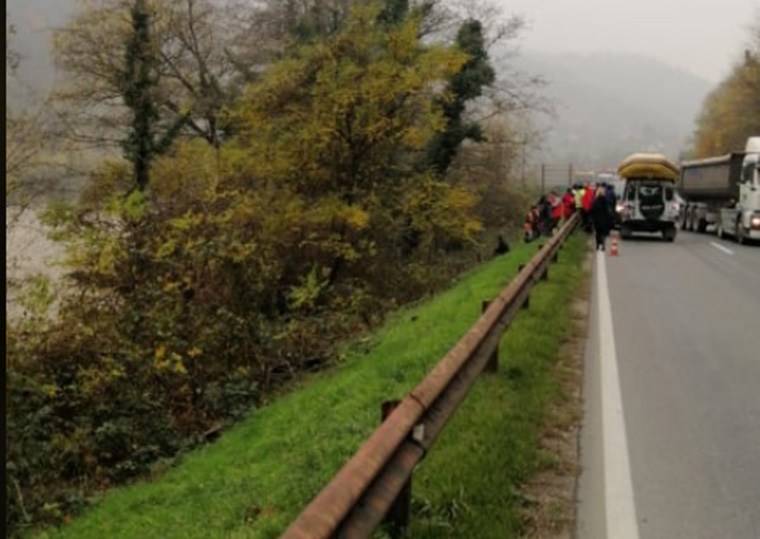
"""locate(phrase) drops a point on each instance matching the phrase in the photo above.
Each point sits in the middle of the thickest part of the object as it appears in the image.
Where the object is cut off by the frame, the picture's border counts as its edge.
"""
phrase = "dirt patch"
(550, 511)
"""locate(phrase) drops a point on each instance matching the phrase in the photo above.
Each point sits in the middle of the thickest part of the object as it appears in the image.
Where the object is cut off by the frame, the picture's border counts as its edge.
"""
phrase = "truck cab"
(741, 218)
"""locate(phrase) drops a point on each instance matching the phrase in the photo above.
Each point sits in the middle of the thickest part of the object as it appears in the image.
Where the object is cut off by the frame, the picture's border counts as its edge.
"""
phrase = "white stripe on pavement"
(620, 507)
(720, 247)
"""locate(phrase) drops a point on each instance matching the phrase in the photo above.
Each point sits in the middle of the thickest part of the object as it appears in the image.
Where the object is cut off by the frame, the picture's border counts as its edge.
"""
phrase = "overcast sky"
(703, 37)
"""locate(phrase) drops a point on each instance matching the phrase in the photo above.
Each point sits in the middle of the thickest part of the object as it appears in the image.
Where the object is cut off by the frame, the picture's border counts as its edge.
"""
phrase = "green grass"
(470, 484)
(256, 478)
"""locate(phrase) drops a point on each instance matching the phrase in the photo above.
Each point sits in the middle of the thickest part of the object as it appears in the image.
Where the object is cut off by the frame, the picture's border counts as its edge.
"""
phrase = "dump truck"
(723, 193)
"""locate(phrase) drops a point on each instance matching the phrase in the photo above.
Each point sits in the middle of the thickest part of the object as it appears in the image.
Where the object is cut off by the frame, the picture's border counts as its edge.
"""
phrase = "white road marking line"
(620, 508)
(720, 247)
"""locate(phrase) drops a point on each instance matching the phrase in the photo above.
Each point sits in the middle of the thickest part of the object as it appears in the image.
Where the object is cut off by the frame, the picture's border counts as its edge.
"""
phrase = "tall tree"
(731, 112)
(139, 81)
(464, 86)
(198, 63)
(339, 122)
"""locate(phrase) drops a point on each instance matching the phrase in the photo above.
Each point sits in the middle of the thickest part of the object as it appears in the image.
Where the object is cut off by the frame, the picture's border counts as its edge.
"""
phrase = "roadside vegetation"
(256, 478)
(731, 112)
(280, 178)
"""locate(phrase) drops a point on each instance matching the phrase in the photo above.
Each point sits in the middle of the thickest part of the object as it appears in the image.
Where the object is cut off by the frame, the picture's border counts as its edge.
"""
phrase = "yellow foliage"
(177, 364)
(51, 390)
(731, 113)
(355, 217)
(327, 118)
(189, 173)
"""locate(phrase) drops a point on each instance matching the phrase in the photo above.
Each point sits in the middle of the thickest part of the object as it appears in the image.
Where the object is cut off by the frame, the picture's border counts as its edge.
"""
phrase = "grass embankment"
(255, 479)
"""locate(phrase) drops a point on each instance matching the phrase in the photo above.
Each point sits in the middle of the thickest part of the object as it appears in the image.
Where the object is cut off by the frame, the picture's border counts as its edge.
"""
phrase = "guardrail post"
(399, 512)
(545, 274)
(493, 359)
(526, 304)
(555, 256)
(383, 467)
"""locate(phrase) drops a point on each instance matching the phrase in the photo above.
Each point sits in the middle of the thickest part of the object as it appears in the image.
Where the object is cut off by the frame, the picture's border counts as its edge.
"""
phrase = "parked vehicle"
(723, 192)
(649, 198)
(618, 185)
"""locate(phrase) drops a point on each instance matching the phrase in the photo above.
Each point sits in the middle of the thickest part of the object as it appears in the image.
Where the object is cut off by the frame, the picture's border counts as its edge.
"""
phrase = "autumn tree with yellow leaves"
(731, 112)
(244, 260)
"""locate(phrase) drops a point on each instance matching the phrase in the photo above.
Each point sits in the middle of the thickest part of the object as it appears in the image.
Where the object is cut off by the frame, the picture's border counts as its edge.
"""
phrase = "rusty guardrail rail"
(376, 481)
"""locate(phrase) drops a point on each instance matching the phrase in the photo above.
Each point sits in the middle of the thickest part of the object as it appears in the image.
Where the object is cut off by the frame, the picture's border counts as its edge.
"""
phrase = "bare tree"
(28, 136)
(194, 43)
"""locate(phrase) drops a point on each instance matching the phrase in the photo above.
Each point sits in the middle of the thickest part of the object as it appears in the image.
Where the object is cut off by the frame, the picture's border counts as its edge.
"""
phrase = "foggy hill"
(607, 106)
(610, 105)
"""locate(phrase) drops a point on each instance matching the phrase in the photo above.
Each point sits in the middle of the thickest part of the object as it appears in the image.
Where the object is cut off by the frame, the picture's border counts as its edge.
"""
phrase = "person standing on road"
(601, 219)
(586, 202)
(609, 193)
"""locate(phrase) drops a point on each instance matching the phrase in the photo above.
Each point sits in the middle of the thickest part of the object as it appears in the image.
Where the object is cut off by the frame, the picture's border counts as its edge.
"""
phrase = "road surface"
(670, 444)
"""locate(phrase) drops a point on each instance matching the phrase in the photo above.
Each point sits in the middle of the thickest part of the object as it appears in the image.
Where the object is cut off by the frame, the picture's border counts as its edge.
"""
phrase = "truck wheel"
(702, 226)
(669, 234)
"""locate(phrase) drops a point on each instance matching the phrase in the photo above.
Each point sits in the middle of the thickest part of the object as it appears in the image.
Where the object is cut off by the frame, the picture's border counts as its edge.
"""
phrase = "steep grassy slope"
(254, 480)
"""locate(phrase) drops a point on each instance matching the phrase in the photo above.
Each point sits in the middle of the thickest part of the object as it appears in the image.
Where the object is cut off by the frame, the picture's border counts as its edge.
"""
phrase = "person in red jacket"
(556, 208)
(568, 203)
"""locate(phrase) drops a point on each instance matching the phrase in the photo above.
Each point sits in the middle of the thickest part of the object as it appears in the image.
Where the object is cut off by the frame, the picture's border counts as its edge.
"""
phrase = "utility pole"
(543, 178)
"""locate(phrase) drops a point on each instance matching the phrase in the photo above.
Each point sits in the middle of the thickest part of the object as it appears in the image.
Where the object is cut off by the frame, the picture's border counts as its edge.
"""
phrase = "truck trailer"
(723, 193)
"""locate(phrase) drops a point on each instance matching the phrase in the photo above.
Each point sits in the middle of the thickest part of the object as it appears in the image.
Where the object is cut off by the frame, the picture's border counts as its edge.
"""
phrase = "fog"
(588, 52)
(703, 37)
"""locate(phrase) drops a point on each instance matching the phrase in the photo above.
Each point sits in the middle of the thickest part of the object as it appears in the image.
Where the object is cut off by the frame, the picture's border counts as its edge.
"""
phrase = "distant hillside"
(607, 105)
(610, 105)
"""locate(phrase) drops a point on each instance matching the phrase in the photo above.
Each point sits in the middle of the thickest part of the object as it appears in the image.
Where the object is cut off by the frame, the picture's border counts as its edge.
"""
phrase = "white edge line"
(720, 247)
(620, 509)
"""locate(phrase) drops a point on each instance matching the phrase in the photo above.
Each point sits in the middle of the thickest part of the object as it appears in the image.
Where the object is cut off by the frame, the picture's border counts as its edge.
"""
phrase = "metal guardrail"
(375, 484)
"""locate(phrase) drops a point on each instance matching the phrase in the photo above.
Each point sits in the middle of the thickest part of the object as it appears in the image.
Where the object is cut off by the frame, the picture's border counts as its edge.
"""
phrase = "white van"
(649, 205)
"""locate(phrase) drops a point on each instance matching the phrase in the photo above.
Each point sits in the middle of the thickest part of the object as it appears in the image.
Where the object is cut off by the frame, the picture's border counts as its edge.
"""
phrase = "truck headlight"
(754, 221)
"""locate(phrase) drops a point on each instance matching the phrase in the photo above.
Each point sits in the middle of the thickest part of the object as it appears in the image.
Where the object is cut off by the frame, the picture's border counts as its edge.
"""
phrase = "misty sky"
(703, 37)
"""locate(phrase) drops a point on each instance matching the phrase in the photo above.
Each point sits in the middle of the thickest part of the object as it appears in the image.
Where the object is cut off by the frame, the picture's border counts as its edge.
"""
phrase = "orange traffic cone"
(614, 245)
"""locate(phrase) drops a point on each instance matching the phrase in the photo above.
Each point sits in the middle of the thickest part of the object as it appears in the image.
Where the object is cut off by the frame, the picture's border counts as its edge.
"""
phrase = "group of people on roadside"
(596, 205)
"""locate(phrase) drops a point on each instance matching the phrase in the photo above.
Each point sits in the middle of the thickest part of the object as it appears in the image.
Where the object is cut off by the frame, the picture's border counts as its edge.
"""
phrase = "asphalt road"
(680, 452)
